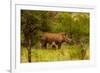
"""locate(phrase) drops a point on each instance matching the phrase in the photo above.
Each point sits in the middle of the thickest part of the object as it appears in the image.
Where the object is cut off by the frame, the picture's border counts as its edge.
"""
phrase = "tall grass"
(67, 52)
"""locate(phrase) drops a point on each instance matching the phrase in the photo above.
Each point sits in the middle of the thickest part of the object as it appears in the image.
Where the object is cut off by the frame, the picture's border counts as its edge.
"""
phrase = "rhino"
(54, 38)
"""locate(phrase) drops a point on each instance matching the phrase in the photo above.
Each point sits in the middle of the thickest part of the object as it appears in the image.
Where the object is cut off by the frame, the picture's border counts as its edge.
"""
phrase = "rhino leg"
(54, 45)
(59, 45)
(43, 44)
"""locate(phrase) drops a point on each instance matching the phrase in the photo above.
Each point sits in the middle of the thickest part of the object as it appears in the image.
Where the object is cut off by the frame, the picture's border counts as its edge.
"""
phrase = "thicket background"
(34, 23)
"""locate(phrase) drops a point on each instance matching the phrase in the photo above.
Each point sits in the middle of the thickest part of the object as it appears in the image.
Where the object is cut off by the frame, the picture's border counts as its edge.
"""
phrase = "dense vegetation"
(34, 23)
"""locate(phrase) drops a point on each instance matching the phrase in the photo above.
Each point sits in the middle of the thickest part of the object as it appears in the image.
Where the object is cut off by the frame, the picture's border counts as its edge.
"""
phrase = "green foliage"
(74, 23)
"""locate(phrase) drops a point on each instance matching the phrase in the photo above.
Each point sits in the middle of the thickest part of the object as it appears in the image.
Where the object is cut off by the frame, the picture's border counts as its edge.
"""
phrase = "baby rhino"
(54, 38)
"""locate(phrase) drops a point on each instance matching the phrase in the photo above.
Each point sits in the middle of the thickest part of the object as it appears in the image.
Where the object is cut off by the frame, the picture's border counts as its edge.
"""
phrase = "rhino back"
(54, 37)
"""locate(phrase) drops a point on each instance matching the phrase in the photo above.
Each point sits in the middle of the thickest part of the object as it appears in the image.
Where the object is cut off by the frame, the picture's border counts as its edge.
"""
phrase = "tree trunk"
(29, 52)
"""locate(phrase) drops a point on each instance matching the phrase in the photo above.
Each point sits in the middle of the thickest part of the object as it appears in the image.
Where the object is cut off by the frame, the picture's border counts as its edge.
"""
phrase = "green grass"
(67, 52)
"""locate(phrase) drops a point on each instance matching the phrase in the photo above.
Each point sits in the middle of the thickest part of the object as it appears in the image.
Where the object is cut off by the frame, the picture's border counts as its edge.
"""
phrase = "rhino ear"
(69, 35)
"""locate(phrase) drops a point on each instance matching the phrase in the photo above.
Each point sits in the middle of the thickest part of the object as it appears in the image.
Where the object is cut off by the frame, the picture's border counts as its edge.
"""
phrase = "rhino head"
(68, 39)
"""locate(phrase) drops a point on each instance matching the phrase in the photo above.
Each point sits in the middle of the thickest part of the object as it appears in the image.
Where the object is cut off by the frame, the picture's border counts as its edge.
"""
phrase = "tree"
(29, 26)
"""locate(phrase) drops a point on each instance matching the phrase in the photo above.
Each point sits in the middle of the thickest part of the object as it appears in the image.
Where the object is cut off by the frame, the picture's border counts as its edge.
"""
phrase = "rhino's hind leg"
(43, 45)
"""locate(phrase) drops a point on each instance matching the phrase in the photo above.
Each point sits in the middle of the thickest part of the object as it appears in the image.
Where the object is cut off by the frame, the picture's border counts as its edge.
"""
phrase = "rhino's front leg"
(54, 45)
(59, 45)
